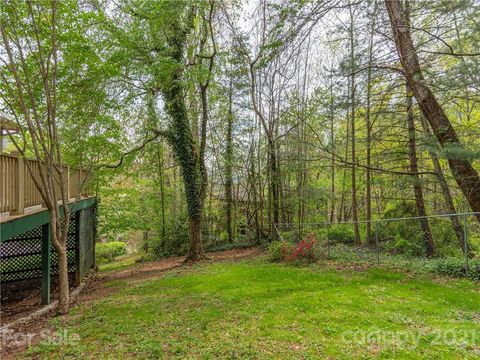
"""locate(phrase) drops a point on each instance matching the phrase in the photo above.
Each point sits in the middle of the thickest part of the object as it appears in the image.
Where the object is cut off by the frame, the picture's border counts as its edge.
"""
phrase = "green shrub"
(307, 251)
(279, 251)
(403, 246)
(107, 252)
(289, 236)
(457, 268)
(174, 242)
(475, 244)
(340, 234)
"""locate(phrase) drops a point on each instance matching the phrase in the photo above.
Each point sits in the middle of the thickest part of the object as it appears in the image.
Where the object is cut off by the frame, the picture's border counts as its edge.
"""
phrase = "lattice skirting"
(21, 256)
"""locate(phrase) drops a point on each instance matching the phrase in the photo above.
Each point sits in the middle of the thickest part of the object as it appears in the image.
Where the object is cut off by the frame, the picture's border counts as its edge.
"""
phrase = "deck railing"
(18, 190)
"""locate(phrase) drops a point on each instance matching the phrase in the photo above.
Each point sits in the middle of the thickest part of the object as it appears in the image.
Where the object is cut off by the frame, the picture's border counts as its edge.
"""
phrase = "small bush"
(403, 246)
(340, 234)
(107, 252)
(279, 251)
(457, 268)
(475, 244)
(174, 242)
(305, 250)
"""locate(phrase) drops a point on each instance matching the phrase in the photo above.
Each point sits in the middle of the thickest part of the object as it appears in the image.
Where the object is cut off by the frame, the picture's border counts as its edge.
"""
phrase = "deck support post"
(78, 275)
(46, 259)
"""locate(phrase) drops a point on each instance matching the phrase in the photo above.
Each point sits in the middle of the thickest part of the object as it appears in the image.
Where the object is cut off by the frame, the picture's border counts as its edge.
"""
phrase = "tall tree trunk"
(332, 158)
(162, 191)
(273, 166)
(63, 287)
(195, 247)
(352, 116)
(342, 214)
(59, 243)
(188, 156)
(258, 179)
(465, 175)
(256, 205)
(176, 200)
(228, 167)
(445, 190)
(417, 187)
(368, 124)
(302, 175)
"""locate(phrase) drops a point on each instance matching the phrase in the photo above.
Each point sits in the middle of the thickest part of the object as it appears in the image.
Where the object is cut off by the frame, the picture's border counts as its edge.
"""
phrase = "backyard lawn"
(258, 310)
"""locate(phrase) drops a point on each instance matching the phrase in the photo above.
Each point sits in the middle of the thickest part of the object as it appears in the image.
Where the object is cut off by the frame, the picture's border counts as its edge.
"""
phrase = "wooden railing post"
(20, 187)
(40, 169)
(67, 176)
(80, 183)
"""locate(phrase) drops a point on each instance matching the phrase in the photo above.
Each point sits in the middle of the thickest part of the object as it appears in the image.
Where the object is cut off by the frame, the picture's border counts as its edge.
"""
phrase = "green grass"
(120, 262)
(256, 310)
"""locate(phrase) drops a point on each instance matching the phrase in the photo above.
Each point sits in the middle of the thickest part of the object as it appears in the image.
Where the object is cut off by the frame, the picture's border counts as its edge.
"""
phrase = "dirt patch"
(97, 288)
(151, 269)
(22, 297)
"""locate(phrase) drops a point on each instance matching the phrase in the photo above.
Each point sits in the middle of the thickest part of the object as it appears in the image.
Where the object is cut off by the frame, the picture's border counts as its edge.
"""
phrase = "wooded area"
(212, 122)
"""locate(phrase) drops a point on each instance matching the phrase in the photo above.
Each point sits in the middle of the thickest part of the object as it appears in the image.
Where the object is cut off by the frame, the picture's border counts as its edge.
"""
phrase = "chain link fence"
(416, 242)
(215, 240)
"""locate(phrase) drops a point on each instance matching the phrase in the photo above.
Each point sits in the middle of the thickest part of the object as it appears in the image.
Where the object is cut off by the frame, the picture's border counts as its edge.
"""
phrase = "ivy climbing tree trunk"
(179, 132)
(188, 142)
(186, 153)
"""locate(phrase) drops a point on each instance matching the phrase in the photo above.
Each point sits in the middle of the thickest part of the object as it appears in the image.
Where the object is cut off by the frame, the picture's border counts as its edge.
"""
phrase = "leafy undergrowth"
(454, 267)
(255, 310)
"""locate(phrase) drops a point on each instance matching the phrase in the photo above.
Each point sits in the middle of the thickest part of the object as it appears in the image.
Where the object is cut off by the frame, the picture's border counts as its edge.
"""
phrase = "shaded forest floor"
(258, 310)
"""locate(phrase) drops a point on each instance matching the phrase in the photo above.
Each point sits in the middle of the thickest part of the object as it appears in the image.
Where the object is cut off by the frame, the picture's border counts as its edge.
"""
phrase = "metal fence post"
(78, 250)
(376, 243)
(465, 240)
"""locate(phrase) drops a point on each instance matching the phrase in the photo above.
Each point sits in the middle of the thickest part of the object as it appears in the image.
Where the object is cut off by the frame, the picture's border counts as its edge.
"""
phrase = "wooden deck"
(17, 224)
(18, 192)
